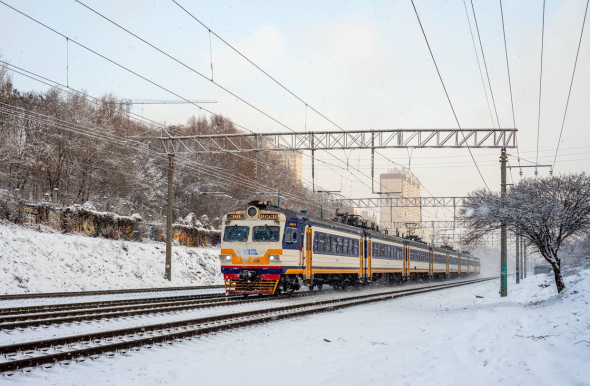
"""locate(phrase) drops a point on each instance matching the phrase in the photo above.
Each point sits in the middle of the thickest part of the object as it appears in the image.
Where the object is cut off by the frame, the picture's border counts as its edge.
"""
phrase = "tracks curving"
(65, 350)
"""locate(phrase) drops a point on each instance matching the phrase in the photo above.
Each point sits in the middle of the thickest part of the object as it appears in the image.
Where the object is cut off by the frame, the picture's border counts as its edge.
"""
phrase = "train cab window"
(236, 233)
(265, 233)
(291, 235)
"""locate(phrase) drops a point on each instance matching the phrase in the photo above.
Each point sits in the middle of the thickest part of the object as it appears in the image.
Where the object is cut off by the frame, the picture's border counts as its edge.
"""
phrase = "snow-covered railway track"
(47, 308)
(106, 292)
(64, 350)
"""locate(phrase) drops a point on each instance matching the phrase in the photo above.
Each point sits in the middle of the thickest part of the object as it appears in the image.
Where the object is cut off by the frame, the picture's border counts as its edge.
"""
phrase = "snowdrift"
(32, 261)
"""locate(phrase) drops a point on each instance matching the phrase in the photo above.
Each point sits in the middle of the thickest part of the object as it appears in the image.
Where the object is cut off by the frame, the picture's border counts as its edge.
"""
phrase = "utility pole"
(517, 260)
(503, 241)
(169, 217)
(522, 257)
(525, 265)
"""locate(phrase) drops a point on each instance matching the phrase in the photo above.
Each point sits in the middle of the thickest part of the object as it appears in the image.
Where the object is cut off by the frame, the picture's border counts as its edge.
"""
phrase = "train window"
(339, 245)
(322, 245)
(328, 243)
(334, 244)
(315, 242)
(290, 235)
(355, 250)
(345, 247)
(236, 233)
(265, 233)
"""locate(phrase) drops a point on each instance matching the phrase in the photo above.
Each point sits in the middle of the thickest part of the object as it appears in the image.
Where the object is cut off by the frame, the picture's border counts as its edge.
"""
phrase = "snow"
(449, 337)
(32, 261)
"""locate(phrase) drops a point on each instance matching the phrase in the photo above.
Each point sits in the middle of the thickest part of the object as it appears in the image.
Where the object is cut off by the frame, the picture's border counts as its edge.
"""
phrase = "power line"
(509, 80)
(446, 93)
(133, 72)
(478, 63)
(273, 79)
(483, 55)
(540, 84)
(571, 83)
(202, 75)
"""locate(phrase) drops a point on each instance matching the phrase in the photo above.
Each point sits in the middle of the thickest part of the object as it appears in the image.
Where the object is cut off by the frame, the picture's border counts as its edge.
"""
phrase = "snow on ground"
(449, 337)
(32, 261)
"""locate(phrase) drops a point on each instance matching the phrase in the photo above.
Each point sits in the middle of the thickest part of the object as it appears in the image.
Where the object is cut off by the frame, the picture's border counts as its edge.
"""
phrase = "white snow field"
(449, 337)
(32, 261)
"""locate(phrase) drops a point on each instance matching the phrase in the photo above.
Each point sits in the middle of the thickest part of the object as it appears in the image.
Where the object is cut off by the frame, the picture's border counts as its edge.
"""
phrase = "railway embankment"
(36, 261)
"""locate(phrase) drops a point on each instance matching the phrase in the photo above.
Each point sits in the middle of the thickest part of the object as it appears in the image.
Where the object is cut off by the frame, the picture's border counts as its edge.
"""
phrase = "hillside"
(34, 261)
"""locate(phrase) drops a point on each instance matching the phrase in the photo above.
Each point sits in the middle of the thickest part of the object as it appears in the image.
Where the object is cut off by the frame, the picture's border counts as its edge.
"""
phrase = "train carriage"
(269, 250)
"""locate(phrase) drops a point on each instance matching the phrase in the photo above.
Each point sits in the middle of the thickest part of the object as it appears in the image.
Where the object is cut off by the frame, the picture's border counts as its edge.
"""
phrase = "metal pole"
(522, 257)
(321, 211)
(503, 243)
(169, 218)
(517, 260)
(525, 264)
(279, 199)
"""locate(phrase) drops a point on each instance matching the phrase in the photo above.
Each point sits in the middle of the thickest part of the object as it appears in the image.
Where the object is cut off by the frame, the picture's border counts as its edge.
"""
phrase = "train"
(268, 250)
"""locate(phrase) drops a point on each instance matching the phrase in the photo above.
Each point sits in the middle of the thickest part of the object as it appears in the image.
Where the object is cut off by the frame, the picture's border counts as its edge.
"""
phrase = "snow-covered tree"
(545, 211)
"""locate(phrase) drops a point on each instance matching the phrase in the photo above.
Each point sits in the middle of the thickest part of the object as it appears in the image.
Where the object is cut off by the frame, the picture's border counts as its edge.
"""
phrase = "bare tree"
(545, 211)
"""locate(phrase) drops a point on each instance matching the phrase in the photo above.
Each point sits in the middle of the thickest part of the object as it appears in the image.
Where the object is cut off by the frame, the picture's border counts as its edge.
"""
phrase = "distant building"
(400, 183)
(292, 160)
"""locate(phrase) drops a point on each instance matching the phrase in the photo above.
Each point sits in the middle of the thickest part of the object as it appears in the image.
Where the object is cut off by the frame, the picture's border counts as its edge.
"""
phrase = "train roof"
(355, 229)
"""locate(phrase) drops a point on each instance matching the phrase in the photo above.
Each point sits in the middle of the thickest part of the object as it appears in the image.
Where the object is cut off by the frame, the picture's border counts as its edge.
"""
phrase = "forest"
(64, 139)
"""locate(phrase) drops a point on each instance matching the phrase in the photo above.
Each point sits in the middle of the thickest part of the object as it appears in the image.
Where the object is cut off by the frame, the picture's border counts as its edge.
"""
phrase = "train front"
(251, 249)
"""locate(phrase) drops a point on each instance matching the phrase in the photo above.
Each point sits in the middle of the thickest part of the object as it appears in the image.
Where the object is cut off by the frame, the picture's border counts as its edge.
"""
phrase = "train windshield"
(236, 233)
(266, 233)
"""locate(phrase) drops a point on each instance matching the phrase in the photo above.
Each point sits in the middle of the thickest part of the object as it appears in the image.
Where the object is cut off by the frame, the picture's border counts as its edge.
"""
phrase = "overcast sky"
(363, 64)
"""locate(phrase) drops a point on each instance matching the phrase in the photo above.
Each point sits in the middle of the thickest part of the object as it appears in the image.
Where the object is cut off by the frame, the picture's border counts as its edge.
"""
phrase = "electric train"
(270, 250)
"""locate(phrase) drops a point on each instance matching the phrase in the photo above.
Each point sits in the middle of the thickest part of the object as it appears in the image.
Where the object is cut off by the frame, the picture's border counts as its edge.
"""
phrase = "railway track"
(102, 304)
(107, 292)
(65, 350)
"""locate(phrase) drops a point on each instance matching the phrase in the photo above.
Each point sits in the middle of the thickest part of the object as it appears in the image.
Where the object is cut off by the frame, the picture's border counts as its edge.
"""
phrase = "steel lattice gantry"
(397, 202)
(423, 224)
(335, 140)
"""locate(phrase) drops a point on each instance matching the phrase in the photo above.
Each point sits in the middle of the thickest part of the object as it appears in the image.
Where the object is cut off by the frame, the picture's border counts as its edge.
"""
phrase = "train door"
(368, 259)
(308, 256)
(406, 272)
(362, 254)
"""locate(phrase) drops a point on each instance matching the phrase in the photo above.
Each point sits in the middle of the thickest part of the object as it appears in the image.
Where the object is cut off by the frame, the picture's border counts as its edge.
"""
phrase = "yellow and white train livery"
(268, 250)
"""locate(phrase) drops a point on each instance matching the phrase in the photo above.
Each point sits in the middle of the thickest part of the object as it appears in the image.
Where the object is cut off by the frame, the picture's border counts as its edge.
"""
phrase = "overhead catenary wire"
(122, 141)
(446, 93)
(269, 76)
(95, 100)
(508, 72)
(202, 75)
(478, 63)
(129, 70)
(569, 93)
(91, 99)
(485, 64)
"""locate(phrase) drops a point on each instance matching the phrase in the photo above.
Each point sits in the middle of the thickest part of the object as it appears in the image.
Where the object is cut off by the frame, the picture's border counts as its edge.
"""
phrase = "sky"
(363, 64)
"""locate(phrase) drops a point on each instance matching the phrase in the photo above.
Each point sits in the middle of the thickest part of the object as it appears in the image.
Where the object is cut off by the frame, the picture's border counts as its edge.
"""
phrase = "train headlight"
(224, 257)
(275, 258)
(252, 211)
